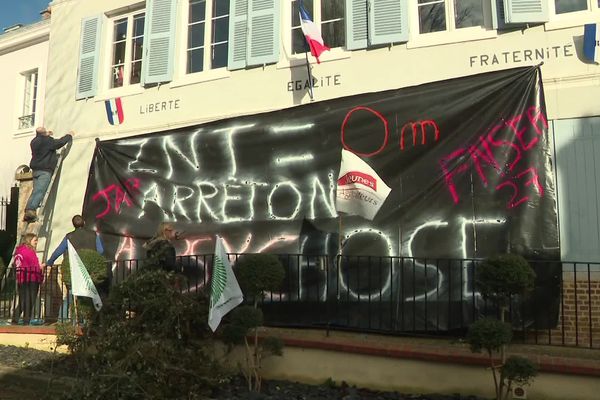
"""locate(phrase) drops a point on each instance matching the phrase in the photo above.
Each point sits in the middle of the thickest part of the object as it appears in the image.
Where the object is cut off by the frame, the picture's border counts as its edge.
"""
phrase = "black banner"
(468, 161)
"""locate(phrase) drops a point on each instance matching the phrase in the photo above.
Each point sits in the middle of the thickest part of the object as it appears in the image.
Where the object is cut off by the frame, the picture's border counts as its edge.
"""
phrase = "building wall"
(571, 84)
(23, 50)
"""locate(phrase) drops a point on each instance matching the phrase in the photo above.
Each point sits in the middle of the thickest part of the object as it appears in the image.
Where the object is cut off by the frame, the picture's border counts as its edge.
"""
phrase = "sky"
(20, 12)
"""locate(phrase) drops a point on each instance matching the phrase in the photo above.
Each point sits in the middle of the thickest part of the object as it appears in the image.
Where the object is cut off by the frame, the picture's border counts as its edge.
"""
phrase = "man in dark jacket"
(80, 238)
(43, 162)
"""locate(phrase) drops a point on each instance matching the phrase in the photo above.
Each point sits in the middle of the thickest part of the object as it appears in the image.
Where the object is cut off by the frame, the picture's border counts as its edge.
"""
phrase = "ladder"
(23, 226)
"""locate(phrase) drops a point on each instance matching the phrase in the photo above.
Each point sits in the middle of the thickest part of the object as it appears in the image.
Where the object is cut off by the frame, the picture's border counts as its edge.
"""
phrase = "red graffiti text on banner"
(413, 127)
(119, 196)
(526, 130)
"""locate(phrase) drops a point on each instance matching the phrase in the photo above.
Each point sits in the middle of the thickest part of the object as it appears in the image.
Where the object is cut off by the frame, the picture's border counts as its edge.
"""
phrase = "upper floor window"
(27, 119)
(208, 38)
(443, 15)
(329, 14)
(567, 6)
(127, 50)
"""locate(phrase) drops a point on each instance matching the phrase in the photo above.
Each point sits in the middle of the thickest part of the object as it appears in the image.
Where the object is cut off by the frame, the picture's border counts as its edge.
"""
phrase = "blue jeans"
(41, 181)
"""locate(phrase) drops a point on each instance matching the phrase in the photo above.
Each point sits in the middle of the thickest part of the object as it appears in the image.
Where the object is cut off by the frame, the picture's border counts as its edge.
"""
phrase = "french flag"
(114, 111)
(311, 32)
(591, 41)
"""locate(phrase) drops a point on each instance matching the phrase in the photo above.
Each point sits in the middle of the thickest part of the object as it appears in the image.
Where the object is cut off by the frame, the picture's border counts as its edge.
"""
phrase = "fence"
(40, 302)
(391, 295)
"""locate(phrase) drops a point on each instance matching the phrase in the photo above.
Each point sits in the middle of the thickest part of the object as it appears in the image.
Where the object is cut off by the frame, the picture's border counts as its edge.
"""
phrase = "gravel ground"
(30, 361)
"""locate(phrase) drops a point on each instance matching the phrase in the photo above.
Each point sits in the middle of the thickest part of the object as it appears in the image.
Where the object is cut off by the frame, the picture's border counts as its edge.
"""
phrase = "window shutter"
(159, 30)
(388, 21)
(238, 34)
(263, 35)
(89, 47)
(498, 20)
(525, 11)
(356, 24)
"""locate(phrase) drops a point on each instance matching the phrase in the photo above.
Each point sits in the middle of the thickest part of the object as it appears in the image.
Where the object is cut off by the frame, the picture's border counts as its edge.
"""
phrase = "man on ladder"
(43, 162)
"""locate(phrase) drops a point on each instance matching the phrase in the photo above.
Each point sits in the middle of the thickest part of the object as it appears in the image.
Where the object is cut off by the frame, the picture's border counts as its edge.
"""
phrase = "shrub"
(489, 335)
(94, 263)
(149, 341)
(501, 276)
(258, 273)
(518, 369)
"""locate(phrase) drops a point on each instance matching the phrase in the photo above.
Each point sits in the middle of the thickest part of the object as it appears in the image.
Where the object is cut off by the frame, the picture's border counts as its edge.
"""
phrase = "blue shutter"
(356, 24)
(388, 21)
(159, 39)
(89, 46)
(238, 34)
(525, 11)
(263, 35)
(577, 155)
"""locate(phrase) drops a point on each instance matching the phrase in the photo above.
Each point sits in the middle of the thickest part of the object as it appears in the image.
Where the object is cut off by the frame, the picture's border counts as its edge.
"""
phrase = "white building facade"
(180, 63)
(23, 67)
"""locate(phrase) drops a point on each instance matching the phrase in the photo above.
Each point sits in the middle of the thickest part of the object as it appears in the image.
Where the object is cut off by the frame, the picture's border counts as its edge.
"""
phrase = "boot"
(30, 216)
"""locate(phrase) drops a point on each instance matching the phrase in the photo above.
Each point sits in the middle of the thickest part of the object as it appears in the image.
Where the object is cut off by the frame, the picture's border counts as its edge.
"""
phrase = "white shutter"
(238, 34)
(356, 24)
(263, 35)
(159, 38)
(525, 11)
(89, 45)
(388, 21)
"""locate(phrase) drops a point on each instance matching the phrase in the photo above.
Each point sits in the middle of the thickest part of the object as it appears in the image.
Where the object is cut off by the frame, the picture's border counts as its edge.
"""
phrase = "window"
(329, 14)
(443, 15)
(568, 6)
(127, 48)
(27, 120)
(208, 40)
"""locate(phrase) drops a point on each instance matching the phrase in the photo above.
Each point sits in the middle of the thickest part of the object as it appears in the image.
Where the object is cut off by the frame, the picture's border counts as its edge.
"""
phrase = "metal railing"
(392, 295)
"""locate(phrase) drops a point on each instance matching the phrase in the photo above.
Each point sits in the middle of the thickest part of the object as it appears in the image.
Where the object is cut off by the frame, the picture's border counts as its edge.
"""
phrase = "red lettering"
(488, 157)
(121, 196)
(423, 125)
(502, 143)
(535, 115)
(520, 133)
(514, 200)
(449, 173)
(385, 125)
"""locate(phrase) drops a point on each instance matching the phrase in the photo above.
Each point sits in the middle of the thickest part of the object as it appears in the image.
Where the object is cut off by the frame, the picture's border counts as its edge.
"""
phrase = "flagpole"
(306, 50)
(76, 311)
(310, 81)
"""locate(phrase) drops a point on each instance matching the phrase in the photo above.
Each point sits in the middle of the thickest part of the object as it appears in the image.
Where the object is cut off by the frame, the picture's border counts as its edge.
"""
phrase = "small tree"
(256, 274)
(499, 278)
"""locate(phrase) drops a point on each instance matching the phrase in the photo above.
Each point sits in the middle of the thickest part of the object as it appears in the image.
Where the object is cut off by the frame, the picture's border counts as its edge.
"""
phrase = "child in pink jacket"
(29, 277)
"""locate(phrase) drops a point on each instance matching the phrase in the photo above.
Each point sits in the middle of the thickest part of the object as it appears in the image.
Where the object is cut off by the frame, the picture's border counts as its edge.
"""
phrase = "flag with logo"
(360, 191)
(311, 32)
(114, 111)
(81, 283)
(225, 292)
(591, 41)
